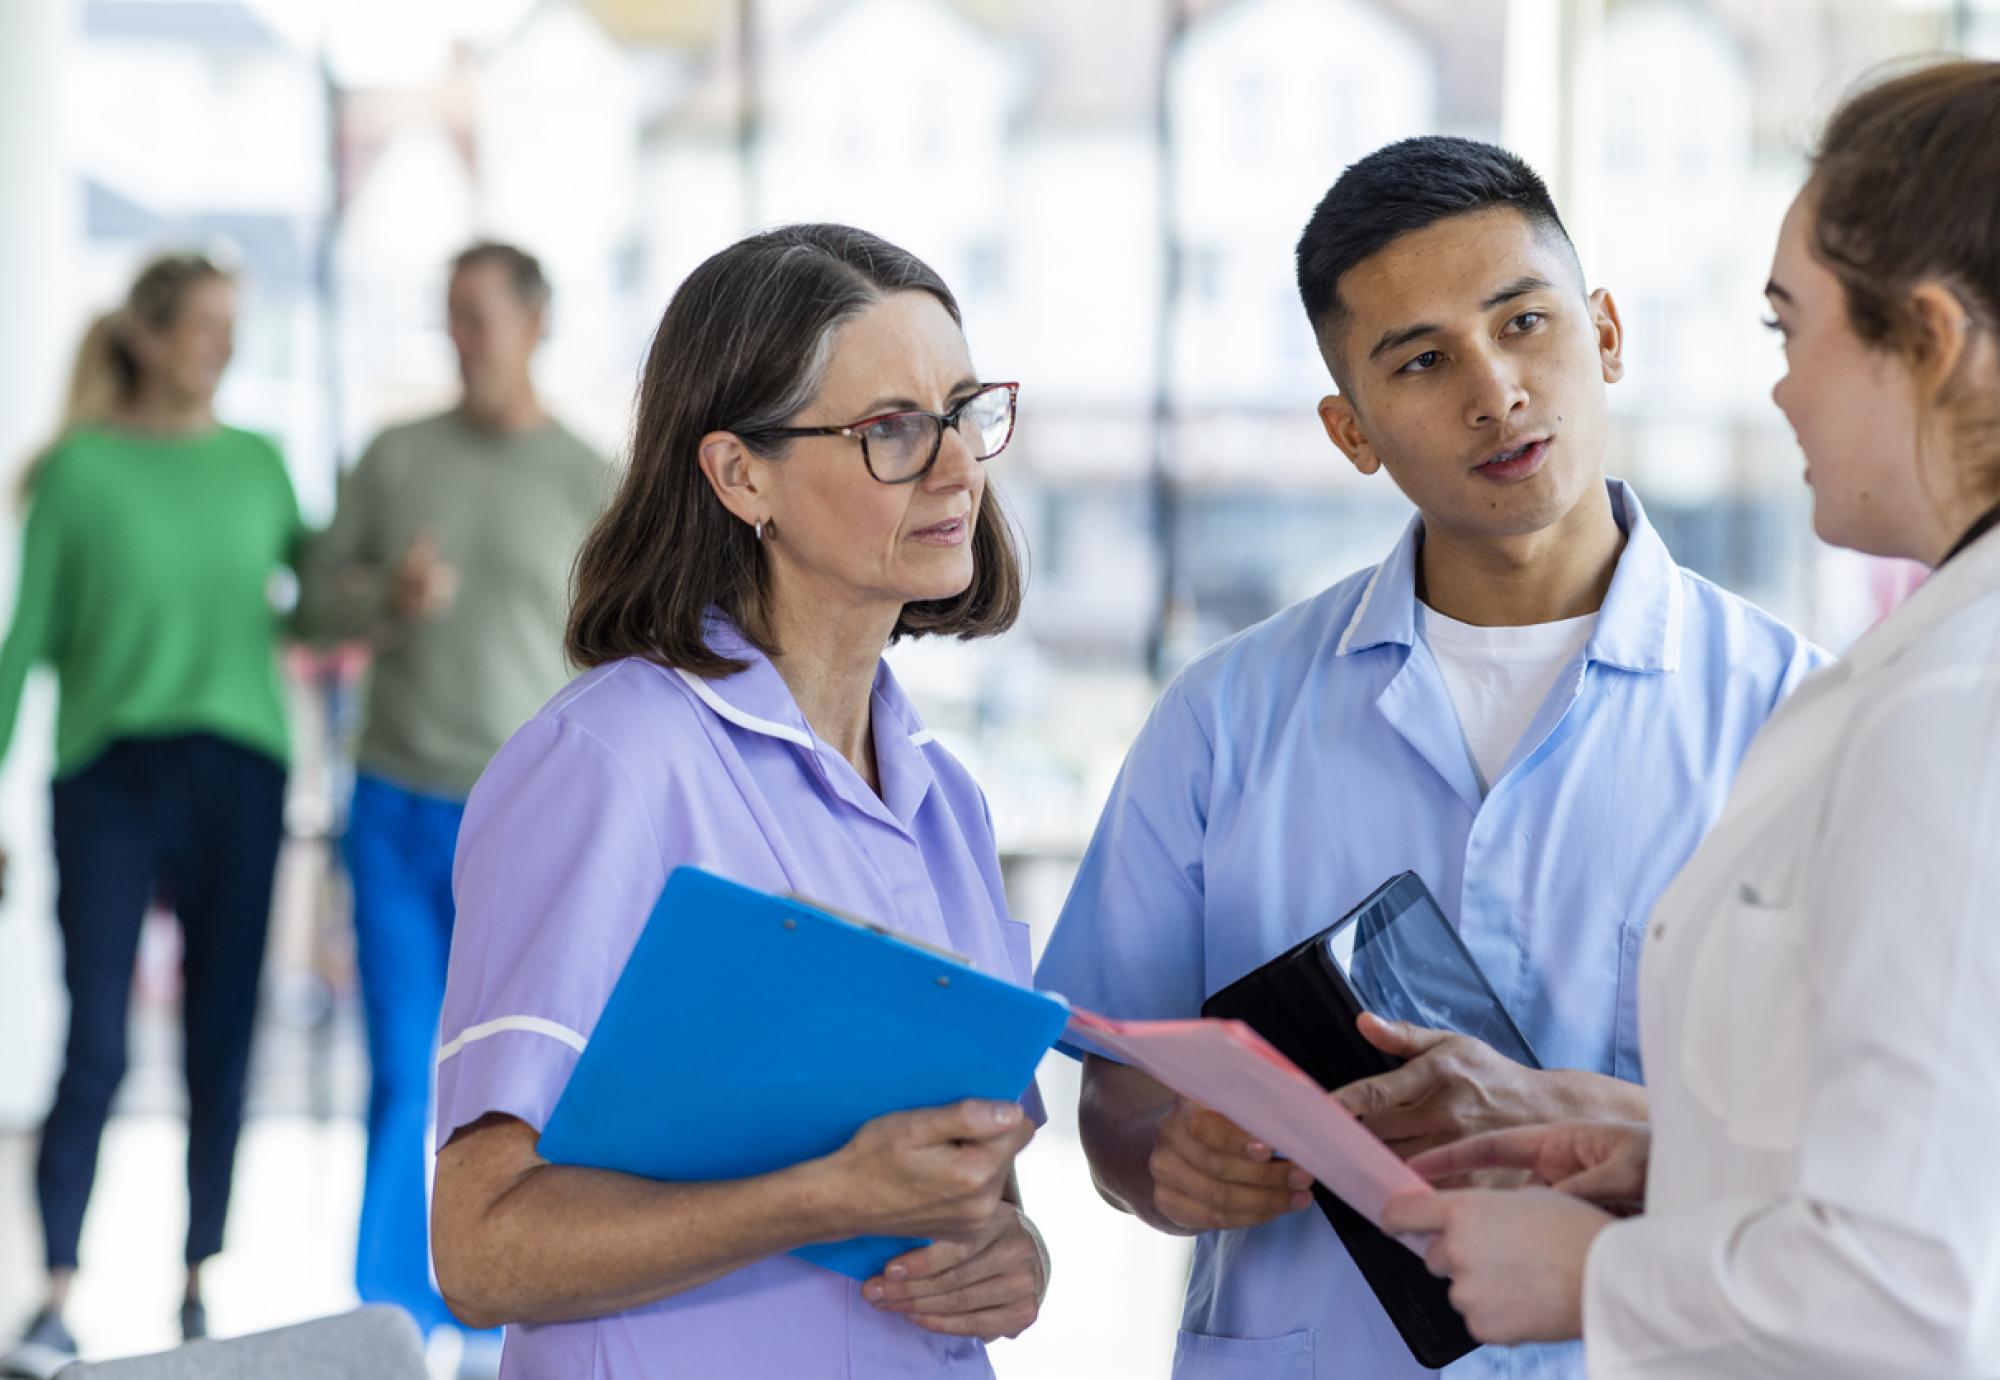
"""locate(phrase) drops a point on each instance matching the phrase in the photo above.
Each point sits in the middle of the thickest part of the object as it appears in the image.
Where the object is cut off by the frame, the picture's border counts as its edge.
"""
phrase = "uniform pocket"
(1198, 1356)
(1014, 938)
(1747, 1037)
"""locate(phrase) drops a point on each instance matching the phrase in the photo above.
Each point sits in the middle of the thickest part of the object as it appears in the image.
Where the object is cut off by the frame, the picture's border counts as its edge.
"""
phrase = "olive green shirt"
(507, 511)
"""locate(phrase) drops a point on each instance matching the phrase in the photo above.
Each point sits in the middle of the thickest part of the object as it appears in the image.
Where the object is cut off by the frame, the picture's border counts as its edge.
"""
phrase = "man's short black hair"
(1402, 187)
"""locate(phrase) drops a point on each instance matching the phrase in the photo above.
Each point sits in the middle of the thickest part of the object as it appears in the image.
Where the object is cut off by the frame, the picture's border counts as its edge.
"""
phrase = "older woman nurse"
(806, 486)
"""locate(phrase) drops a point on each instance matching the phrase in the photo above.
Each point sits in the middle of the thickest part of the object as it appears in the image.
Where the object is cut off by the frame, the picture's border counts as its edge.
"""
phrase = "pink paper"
(1227, 1066)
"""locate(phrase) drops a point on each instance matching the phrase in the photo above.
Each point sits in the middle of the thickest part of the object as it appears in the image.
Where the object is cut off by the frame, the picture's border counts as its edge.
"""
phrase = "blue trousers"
(196, 820)
(399, 848)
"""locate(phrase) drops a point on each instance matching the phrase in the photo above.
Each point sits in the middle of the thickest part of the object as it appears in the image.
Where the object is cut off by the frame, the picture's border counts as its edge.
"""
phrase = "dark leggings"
(197, 820)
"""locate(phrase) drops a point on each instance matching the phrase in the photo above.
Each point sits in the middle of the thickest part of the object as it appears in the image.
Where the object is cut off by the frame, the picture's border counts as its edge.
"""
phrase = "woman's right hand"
(935, 1172)
(1602, 1162)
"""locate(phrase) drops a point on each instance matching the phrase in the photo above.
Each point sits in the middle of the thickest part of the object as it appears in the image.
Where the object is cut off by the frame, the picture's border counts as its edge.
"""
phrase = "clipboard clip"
(880, 930)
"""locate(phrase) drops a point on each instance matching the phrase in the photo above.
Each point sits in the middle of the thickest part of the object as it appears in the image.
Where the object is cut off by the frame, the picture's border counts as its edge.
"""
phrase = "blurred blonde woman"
(153, 532)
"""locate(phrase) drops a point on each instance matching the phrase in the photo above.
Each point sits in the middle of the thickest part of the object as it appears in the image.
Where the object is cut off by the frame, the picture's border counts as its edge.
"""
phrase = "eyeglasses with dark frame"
(893, 442)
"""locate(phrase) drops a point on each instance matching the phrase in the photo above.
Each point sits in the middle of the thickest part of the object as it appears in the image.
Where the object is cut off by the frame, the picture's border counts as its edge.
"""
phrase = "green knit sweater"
(146, 582)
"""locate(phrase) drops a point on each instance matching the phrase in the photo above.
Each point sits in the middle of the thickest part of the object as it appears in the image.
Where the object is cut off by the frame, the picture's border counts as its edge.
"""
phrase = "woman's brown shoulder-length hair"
(743, 347)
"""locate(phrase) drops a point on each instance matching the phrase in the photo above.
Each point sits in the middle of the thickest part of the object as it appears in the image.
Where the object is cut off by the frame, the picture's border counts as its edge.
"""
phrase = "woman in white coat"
(1820, 1001)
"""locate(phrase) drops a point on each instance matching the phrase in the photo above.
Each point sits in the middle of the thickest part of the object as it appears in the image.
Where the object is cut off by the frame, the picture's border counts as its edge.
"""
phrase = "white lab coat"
(1820, 1020)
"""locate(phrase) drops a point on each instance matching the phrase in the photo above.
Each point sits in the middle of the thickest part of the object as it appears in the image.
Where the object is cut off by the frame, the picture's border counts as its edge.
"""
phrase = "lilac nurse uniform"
(631, 771)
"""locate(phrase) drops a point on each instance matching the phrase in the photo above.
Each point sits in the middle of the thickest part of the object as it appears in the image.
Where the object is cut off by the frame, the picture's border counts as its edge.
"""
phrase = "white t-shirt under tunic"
(1498, 678)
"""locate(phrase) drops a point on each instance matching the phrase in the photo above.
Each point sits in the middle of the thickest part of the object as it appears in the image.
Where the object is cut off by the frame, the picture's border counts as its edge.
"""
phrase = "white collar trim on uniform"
(769, 727)
(741, 718)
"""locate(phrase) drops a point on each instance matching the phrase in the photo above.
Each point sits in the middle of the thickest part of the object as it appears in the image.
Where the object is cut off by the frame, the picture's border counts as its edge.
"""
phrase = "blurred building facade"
(1113, 190)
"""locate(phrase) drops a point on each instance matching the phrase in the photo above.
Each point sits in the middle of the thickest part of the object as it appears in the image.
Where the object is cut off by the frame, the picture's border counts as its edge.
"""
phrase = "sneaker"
(194, 1321)
(45, 1348)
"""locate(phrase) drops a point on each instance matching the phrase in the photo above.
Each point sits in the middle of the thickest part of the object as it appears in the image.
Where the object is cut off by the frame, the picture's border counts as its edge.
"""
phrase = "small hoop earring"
(760, 529)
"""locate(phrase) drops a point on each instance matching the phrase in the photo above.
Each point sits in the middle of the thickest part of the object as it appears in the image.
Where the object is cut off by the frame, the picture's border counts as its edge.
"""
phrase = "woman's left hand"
(1515, 1257)
(987, 1285)
(1601, 1162)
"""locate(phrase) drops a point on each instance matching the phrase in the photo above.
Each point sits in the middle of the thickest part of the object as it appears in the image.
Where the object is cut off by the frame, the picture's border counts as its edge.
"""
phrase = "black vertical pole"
(1164, 493)
(326, 260)
(749, 106)
(328, 902)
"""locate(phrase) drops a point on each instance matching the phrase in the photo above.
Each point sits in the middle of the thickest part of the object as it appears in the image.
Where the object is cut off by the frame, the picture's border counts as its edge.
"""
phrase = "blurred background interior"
(1113, 188)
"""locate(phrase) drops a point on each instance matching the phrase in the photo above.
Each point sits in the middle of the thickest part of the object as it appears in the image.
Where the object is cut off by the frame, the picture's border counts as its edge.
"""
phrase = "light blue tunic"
(1292, 769)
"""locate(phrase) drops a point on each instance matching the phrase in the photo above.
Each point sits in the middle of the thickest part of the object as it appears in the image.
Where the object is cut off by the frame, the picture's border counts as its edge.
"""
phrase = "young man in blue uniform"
(1527, 703)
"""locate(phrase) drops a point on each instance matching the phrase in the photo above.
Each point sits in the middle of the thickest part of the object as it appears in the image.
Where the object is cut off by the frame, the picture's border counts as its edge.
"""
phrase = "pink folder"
(1229, 1067)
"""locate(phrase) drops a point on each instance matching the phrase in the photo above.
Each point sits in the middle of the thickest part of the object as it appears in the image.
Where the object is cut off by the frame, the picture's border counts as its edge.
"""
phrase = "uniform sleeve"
(33, 633)
(346, 577)
(559, 864)
(1807, 658)
(1884, 1259)
(1129, 941)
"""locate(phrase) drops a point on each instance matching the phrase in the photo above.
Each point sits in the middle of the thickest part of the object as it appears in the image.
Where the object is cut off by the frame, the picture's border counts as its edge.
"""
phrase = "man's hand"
(1209, 1174)
(425, 585)
(1453, 1086)
(1602, 1162)
(988, 1284)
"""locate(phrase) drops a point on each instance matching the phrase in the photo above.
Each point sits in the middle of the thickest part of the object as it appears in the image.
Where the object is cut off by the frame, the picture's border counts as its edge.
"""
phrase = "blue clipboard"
(750, 1032)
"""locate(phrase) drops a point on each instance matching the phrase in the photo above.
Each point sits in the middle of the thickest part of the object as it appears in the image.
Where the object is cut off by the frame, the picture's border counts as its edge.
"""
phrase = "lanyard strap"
(1978, 530)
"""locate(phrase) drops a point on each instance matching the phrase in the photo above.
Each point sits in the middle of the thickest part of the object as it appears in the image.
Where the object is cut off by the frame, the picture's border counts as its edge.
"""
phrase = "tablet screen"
(1405, 962)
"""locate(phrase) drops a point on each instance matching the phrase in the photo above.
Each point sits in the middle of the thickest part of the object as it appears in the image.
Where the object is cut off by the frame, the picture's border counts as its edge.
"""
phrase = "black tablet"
(1396, 955)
